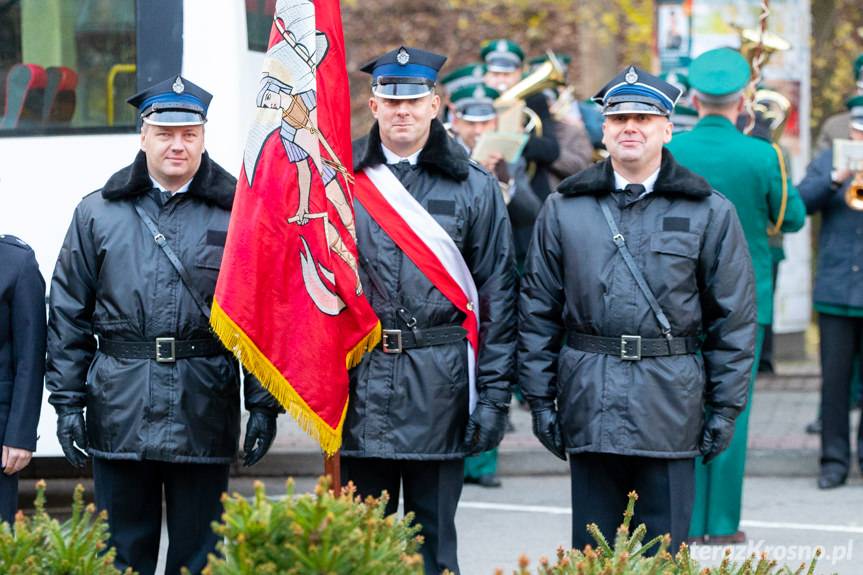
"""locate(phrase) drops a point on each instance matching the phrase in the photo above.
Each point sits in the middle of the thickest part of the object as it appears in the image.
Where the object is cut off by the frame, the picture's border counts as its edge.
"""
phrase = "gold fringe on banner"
(271, 378)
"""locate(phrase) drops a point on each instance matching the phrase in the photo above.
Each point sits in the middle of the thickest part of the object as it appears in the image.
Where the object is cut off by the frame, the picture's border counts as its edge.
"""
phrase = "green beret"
(502, 56)
(469, 75)
(677, 78)
(682, 110)
(719, 75)
(474, 103)
(855, 105)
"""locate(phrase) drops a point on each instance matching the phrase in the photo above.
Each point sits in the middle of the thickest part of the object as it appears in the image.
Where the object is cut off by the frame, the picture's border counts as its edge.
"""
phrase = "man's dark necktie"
(401, 169)
(161, 196)
(629, 194)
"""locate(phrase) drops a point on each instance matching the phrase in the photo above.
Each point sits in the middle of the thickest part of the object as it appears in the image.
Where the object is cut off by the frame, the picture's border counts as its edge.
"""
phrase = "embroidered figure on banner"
(287, 103)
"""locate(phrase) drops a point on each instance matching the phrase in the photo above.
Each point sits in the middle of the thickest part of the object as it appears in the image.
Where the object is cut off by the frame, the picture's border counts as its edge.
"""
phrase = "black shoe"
(830, 480)
(814, 428)
(489, 480)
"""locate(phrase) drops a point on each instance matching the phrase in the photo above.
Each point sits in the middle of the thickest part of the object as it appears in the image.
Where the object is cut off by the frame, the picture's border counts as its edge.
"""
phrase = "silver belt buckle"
(171, 345)
(630, 347)
(391, 346)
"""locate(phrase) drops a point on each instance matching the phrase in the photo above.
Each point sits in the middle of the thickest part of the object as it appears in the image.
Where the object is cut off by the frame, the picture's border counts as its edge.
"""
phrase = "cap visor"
(857, 124)
(477, 113)
(402, 91)
(174, 118)
(633, 108)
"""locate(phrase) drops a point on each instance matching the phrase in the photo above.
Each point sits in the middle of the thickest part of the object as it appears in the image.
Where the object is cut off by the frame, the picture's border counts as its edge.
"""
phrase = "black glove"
(260, 433)
(501, 171)
(547, 429)
(717, 433)
(487, 423)
(72, 430)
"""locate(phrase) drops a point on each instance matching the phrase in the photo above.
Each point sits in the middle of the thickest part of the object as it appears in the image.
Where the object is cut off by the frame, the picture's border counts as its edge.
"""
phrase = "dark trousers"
(8, 497)
(131, 493)
(431, 490)
(601, 483)
(841, 341)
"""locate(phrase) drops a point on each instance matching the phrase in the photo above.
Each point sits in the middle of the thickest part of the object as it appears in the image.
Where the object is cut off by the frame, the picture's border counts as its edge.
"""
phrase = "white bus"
(67, 68)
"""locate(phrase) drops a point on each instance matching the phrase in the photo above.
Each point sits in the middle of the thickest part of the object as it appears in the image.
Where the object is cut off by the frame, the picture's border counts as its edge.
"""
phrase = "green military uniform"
(746, 170)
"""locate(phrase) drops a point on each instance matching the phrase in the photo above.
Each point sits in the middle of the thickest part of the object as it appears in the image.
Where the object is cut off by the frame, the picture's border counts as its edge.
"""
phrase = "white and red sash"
(427, 244)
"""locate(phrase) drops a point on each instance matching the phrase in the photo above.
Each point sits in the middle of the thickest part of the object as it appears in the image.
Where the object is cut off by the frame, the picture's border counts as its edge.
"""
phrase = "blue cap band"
(173, 98)
(409, 70)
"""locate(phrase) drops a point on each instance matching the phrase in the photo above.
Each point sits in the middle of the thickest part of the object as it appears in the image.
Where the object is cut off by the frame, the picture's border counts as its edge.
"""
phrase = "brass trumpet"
(854, 193)
(848, 155)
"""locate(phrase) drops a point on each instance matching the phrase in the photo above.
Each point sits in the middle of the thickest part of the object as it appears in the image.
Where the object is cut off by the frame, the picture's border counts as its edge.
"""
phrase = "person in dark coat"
(22, 363)
(438, 387)
(504, 61)
(837, 299)
(129, 340)
(628, 397)
(836, 126)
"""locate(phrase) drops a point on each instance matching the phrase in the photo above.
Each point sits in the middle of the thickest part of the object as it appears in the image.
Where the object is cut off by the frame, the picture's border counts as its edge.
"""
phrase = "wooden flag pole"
(333, 470)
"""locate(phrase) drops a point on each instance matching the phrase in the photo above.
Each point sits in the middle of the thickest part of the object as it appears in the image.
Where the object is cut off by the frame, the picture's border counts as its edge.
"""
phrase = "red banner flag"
(288, 301)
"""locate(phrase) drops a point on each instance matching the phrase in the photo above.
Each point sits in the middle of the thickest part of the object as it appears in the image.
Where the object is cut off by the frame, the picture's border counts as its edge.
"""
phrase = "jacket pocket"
(453, 225)
(209, 256)
(684, 244)
(208, 260)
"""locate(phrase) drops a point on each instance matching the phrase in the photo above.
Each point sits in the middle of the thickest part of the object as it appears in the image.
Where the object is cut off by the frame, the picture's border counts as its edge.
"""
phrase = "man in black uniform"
(22, 363)
(638, 263)
(161, 393)
(438, 388)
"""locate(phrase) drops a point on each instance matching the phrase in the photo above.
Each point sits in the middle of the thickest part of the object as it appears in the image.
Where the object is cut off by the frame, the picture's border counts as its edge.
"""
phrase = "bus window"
(66, 66)
(259, 21)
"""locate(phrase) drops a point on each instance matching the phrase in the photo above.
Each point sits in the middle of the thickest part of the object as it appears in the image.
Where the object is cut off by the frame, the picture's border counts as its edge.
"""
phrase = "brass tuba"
(771, 42)
(848, 155)
(510, 105)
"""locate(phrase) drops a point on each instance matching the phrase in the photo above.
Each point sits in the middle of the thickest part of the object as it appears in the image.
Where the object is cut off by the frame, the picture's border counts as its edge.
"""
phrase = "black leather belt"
(162, 349)
(633, 347)
(398, 340)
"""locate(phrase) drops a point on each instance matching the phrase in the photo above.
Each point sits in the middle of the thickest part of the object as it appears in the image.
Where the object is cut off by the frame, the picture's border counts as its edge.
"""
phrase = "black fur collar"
(211, 182)
(441, 153)
(674, 179)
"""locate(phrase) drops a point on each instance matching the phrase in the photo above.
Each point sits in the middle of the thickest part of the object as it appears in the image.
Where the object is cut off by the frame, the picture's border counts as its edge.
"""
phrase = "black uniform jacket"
(113, 281)
(689, 245)
(414, 405)
(22, 343)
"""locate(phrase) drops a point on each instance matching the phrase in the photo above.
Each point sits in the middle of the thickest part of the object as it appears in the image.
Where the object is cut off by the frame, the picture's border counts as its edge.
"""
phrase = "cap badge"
(403, 57)
(479, 92)
(631, 75)
(178, 87)
(501, 46)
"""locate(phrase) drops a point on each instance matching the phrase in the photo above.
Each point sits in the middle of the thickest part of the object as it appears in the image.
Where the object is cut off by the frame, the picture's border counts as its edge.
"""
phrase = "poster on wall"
(673, 37)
